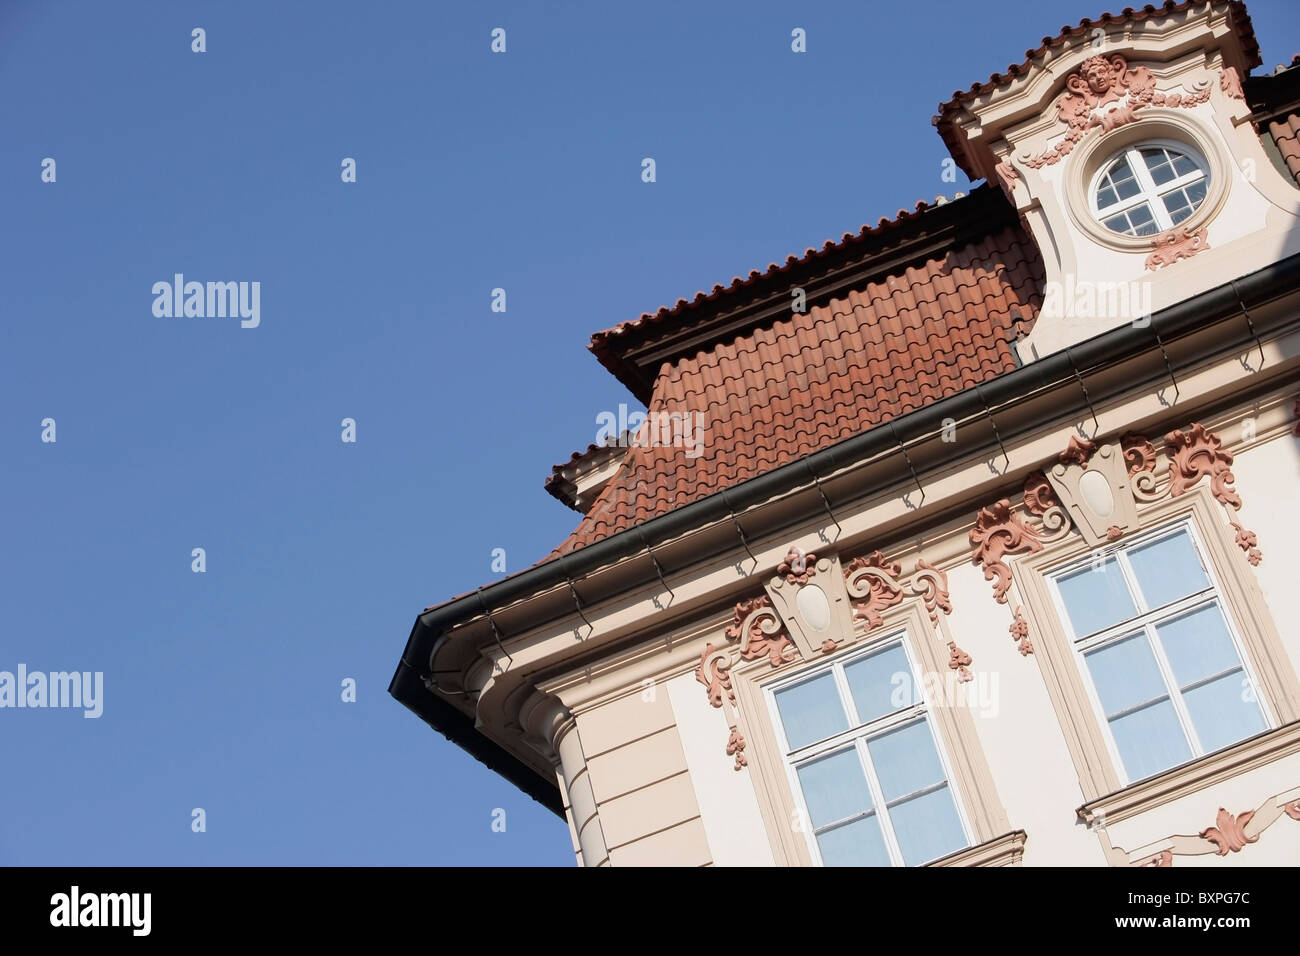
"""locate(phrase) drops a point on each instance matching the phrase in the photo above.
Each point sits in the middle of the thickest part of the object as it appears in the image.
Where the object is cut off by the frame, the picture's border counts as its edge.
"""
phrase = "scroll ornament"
(1230, 833)
(1105, 93)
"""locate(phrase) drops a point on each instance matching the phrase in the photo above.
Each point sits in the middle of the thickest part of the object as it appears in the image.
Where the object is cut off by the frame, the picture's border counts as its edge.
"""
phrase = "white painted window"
(1149, 188)
(1164, 667)
(871, 781)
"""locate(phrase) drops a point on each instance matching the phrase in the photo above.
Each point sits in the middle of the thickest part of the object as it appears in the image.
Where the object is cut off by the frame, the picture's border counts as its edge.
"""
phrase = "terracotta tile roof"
(799, 383)
(830, 246)
(1238, 17)
(1286, 133)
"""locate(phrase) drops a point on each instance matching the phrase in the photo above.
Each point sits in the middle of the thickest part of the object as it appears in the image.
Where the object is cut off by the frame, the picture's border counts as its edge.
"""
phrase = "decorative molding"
(1139, 453)
(1092, 482)
(1008, 177)
(1078, 452)
(1229, 832)
(998, 533)
(959, 661)
(1041, 501)
(1176, 244)
(1104, 93)
(760, 631)
(1194, 777)
(797, 567)
(932, 585)
(1197, 453)
(874, 581)
(1020, 632)
(1230, 83)
(1005, 850)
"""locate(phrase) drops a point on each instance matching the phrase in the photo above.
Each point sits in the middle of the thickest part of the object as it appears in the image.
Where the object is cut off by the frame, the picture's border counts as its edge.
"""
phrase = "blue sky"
(474, 171)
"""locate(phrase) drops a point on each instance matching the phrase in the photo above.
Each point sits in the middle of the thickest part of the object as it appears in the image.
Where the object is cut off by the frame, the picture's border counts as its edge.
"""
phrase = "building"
(965, 540)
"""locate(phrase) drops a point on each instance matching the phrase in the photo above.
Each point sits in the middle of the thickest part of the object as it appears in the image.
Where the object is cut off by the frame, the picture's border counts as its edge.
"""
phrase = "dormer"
(1127, 147)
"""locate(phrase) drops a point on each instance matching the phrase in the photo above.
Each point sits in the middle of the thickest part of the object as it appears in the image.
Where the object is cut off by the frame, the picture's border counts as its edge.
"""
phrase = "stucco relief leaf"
(1198, 452)
(1000, 532)
(1228, 833)
(760, 631)
(873, 583)
(932, 585)
(1176, 244)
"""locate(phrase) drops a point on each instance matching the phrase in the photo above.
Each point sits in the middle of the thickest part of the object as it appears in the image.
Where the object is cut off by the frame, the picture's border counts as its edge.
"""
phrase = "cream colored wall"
(1268, 477)
(1021, 735)
(728, 807)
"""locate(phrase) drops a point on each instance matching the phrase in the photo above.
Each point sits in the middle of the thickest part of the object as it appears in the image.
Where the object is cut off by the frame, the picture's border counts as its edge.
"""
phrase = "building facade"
(965, 540)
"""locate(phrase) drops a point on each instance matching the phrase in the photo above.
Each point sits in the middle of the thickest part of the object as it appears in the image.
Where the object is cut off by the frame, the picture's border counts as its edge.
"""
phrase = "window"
(1165, 669)
(861, 753)
(1149, 188)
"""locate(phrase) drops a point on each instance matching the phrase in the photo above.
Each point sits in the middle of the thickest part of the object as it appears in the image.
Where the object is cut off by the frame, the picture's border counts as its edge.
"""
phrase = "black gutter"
(1108, 348)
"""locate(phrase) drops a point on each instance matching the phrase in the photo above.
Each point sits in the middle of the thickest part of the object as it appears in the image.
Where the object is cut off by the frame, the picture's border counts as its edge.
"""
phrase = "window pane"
(1167, 569)
(905, 760)
(1106, 198)
(1198, 645)
(927, 827)
(1096, 597)
(1125, 674)
(1150, 740)
(1224, 711)
(855, 844)
(881, 683)
(811, 711)
(1184, 164)
(1144, 222)
(1157, 161)
(834, 787)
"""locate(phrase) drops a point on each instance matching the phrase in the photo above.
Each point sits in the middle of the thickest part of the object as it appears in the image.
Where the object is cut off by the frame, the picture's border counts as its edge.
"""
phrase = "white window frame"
(1148, 191)
(1146, 620)
(856, 736)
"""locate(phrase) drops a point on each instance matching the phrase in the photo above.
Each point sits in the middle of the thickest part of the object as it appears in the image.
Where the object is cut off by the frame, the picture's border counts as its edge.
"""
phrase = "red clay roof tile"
(781, 391)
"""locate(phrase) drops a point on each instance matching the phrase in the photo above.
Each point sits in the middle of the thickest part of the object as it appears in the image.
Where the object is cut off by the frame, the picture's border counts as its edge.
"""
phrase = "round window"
(1149, 188)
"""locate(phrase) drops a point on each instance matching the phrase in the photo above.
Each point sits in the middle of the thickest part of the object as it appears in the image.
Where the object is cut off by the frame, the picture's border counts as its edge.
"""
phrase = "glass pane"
(1198, 645)
(1157, 161)
(1167, 569)
(1196, 192)
(1118, 223)
(927, 827)
(1142, 218)
(834, 787)
(1096, 597)
(1106, 197)
(1224, 711)
(905, 760)
(855, 844)
(811, 711)
(881, 683)
(1150, 740)
(1184, 164)
(1125, 674)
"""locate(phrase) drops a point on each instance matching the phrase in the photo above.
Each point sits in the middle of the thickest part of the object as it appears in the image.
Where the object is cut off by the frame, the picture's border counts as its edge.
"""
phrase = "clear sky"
(475, 170)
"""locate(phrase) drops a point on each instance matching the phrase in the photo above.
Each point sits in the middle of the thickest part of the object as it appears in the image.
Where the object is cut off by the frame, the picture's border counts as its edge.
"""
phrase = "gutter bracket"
(839, 531)
(1251, 323)
(577, 602)
(496, 634)
(726, 500)
(988, 413)
(658, 570)
(1169, 368)
(1096, 426)
(912, 468)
